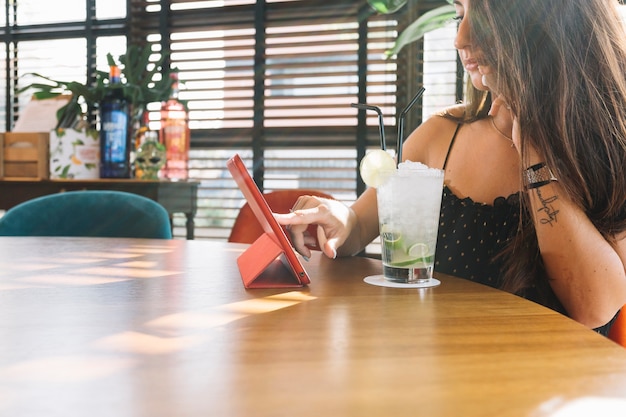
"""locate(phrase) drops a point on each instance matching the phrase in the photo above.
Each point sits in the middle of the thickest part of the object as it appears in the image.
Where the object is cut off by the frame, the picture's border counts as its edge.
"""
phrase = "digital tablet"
(271, 261)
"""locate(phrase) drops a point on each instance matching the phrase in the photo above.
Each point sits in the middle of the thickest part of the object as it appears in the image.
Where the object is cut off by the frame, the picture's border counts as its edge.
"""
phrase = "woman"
(560, 66)
(483, 178)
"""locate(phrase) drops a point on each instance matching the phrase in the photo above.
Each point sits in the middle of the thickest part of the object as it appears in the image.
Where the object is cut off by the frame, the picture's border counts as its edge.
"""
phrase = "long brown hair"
(476, 105)
(561, 65)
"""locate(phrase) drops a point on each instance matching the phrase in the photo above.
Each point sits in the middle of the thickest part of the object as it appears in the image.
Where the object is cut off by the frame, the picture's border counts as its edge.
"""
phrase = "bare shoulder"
(429, 143)
(438, 122)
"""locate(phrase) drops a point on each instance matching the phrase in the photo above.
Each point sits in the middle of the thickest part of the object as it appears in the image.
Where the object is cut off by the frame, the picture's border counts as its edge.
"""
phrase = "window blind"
(272, 80)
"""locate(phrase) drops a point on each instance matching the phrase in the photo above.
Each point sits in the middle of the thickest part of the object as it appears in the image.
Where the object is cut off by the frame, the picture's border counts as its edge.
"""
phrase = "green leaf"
(429, 21)
(44, 95)
(387, 6)
(66, 170)
(138, 84)
(390, 6)
(42, 87)
(110, 60)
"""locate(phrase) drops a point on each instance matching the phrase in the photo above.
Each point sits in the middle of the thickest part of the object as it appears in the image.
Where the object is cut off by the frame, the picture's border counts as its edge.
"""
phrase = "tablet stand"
(263, 265)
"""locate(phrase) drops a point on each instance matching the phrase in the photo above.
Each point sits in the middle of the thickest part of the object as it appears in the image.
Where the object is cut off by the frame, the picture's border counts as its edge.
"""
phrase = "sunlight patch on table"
(258, 306)
(52, 279)
(292, 295)
(583, 407)
(31, 267)
(141, 343)
(238, 250)
(64, 261)
(104, 255)
(227, 313)
(127, 272)
(144, 250)
(138, 264)
(15, 286)
(65, 369)
(194, 320)
(267, 304)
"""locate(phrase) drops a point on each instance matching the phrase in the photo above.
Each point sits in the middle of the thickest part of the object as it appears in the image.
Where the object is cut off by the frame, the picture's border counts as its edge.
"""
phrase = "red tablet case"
(270, 262)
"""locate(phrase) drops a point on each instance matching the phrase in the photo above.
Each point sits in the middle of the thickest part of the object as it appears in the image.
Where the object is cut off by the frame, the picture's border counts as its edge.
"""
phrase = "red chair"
(618, 330)
(247, 229)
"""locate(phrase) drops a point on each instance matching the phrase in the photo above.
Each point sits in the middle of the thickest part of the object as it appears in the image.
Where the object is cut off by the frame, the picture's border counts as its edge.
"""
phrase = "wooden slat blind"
(272, 80)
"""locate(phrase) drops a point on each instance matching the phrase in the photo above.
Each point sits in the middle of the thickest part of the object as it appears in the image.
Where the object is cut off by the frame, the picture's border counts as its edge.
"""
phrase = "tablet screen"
(282, 252)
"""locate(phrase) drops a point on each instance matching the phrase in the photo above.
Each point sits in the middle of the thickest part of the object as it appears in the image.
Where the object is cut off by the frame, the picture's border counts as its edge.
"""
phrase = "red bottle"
(174, 135)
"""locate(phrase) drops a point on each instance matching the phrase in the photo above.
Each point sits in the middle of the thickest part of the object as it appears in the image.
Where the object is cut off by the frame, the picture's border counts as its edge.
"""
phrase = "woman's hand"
(334, 219)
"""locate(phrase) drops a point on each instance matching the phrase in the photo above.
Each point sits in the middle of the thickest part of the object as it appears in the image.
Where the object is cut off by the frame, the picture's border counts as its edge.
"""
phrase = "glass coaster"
(380, 281)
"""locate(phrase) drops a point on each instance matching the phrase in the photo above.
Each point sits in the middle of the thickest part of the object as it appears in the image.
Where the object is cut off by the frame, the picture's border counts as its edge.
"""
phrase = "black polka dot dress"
(472, 234)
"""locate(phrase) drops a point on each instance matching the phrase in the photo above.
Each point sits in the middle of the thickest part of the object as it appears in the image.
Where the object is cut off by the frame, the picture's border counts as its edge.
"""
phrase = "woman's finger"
(299, 216)
(298, 239)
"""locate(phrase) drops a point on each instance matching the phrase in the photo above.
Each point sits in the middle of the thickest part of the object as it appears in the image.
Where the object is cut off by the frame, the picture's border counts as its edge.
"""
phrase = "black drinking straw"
(401, 124)
(381, 124)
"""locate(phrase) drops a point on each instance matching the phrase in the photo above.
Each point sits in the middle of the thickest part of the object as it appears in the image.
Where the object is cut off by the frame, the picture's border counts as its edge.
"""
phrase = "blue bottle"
(114, 130)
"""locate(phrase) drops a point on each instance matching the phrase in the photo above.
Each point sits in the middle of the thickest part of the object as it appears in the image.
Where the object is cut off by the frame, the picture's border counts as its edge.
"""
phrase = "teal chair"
(90, 214)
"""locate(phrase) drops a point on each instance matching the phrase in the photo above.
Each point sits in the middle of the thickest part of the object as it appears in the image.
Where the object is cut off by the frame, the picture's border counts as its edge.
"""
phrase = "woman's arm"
(346, 231)
(365, 210)
(586, 272)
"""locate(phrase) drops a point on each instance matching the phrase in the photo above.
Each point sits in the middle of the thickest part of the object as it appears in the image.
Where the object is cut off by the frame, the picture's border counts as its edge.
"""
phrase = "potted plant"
(74, 144)
(143, 82)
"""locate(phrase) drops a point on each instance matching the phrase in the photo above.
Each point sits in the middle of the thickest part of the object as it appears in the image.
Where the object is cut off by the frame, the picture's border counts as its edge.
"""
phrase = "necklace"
(493, 122)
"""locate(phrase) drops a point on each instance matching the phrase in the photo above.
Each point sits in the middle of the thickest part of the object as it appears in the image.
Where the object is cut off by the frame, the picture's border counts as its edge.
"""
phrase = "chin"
(477, 81)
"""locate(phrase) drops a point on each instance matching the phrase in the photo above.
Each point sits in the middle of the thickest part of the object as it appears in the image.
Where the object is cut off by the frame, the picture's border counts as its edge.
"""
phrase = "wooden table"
(131, 327)
(175, 196)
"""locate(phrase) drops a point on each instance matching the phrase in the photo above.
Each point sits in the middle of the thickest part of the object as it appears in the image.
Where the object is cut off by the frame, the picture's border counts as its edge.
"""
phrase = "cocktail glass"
(409, 202)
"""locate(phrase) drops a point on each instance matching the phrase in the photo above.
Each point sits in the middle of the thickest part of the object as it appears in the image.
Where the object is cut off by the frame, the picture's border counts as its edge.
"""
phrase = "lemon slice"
(391, 239)
(373, 166)
(404, 261)
(416, 255)
(421, 252)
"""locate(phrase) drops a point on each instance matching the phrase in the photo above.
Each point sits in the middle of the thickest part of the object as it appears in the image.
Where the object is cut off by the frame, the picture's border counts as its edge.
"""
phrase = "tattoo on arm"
(546, 212)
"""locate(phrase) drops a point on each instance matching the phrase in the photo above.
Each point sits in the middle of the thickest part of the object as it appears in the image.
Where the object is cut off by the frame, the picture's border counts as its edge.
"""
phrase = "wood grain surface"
(132, 327)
